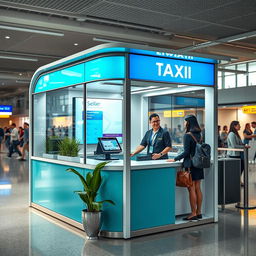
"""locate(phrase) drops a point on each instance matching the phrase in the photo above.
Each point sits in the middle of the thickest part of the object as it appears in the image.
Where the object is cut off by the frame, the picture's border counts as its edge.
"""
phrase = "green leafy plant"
(52, 144)
(91, 186)
(69, 147)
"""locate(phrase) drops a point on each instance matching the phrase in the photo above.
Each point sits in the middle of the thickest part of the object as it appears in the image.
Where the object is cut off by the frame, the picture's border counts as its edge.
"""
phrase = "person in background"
(220, 145)
(1, 137)
(253, 124)
(157, 141)
(189, 145)
(7, 137)
(234, 141)
(14, 141)
(224, 136)
(21, 134)
(248, 133)
(202, 127)
(26, 142)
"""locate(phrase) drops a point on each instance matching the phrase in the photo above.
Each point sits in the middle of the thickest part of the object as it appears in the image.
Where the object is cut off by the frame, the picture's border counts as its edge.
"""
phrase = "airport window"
(252, 78)
(219, 80)
(229, 80)
(252, 67)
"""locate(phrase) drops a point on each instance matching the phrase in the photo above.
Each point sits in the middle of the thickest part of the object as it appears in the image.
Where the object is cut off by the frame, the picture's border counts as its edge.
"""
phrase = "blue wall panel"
(152, 198)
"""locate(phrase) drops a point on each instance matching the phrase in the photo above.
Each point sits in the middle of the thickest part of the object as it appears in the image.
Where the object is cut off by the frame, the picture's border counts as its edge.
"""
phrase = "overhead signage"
(5, 110)
(249, 109)
(105, 68)
(174, 113)
(172, 55)
(171, 70)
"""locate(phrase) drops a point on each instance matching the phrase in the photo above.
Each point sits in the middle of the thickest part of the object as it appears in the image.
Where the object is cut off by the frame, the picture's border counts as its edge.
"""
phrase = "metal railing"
(246, 173)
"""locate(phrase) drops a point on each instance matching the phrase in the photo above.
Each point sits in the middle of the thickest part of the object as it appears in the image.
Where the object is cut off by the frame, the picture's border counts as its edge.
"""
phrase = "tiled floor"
(24, 231)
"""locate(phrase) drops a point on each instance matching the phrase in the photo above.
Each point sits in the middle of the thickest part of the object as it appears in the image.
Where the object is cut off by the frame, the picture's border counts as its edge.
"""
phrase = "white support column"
(126, 152)
(211, 137)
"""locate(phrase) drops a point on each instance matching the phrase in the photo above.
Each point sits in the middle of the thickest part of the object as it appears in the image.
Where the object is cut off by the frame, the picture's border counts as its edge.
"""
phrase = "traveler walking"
(14, 141)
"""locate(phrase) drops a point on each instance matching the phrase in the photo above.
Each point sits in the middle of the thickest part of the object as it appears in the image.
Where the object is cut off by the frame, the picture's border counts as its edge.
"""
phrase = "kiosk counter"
(108, 92)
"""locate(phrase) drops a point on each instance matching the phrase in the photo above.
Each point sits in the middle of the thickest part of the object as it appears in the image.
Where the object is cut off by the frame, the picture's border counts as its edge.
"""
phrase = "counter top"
(115, 165)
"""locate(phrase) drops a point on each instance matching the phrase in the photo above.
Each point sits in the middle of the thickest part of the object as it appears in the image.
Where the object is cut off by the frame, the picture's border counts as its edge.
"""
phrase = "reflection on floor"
(24, 231)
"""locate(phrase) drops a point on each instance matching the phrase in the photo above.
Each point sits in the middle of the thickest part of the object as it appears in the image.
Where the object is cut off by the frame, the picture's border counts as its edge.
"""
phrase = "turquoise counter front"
(152, 194)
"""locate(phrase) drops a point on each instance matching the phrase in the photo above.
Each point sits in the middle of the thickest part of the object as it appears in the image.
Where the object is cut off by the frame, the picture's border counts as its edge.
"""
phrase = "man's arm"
(165, 151)
(138, 150)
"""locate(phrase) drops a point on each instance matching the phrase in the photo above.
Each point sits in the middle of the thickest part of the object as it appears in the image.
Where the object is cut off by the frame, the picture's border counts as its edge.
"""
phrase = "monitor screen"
(110, 145)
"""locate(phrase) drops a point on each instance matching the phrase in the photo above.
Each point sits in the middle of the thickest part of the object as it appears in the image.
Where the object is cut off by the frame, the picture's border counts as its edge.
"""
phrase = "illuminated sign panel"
(249, 110)
(174, 113)
(171, 70)
(5, 110)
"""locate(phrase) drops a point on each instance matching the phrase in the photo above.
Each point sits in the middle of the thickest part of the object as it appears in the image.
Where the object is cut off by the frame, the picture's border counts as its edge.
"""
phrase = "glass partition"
(173, 108)
(104, 117)
(58, 124)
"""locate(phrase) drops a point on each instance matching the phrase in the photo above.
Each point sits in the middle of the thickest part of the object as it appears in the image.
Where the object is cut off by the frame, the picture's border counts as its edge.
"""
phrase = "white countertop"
(115, 165)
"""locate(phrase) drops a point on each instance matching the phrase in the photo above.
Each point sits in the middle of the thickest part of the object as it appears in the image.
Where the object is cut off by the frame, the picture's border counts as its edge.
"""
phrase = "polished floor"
(25, 231)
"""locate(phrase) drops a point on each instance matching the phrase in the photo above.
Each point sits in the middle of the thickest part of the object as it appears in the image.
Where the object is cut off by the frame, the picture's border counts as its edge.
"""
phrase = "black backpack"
(202, 157)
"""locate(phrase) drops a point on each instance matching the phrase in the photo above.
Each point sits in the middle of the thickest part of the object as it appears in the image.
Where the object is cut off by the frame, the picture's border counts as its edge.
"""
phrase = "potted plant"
(52, 146)
(92, 215)
(68, 150)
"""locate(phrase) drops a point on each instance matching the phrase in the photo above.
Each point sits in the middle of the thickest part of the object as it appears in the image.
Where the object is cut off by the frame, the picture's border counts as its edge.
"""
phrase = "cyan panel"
(152, 198)
(105, 68)
(53, 188)
(61, 78)
(112, 189)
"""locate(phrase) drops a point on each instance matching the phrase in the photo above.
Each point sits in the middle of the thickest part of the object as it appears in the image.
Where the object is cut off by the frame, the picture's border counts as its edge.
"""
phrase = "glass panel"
(230, 81)
(57, 128)
(241, 67)
(241, 80)
(104, 119)
(219, 82)
(252, 78)
(252, 66)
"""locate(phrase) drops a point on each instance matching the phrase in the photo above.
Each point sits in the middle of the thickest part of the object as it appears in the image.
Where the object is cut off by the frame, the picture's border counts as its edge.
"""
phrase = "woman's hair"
(233, 129)
(248, 127)
(225, 127)
(192, 124)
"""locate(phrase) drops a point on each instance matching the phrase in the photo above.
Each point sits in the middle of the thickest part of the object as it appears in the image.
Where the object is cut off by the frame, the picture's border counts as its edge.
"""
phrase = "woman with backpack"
(193, 134)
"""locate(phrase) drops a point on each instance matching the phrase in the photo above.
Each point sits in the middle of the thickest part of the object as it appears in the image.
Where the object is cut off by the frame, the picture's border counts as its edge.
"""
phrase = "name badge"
(150, 150)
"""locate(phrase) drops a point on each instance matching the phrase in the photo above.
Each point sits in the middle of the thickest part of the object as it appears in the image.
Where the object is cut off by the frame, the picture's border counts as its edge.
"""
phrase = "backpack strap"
(190, 133)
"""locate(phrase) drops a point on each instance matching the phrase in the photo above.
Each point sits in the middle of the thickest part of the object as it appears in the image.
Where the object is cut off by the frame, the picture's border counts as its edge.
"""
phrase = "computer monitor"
(108, 146)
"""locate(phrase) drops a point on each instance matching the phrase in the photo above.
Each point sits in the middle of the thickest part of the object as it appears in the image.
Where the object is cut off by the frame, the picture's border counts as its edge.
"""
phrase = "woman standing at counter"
(195, 194)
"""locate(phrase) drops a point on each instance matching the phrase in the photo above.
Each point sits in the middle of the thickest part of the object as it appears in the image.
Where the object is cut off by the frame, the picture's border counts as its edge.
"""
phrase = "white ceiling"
(174, 24)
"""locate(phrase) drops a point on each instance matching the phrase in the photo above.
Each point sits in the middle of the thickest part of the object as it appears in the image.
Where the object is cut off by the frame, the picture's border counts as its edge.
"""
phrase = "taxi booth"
(109, 91)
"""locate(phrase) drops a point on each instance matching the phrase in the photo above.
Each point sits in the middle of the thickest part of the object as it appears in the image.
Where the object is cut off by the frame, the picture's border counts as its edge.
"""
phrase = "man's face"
(25, 126)
(254, 126)
(155, 123)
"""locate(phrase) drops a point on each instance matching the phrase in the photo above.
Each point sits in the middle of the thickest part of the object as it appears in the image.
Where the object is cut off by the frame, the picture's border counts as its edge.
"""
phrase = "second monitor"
(108, 146)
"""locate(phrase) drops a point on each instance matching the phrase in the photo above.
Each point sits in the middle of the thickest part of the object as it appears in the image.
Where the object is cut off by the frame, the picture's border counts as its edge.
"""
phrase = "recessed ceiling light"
(75, 44)
(20, 74)
(7, 37)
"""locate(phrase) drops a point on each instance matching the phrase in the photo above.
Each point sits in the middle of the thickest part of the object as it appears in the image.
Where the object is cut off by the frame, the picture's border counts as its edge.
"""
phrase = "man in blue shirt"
(157, 140)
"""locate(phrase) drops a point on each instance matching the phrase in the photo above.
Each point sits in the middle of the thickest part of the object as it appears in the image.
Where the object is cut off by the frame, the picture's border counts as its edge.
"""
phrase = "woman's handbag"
(184, 178)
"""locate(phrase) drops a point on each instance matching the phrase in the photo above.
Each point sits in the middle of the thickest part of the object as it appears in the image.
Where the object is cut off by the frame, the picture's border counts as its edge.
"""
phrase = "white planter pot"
(51, 156)
(75, 159)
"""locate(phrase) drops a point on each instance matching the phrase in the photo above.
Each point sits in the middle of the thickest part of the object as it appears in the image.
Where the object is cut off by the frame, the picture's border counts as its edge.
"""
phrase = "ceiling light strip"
(30, 30)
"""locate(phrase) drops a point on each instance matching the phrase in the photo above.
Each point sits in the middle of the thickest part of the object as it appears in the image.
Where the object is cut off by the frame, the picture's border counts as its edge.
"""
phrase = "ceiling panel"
(128, 14)
(247, 22)
(174, 7)
(231, 11)
(214, 31)
(74, 6)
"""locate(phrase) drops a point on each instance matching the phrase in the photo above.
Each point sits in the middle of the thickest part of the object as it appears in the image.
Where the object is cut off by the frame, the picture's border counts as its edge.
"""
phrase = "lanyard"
(152, 139)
